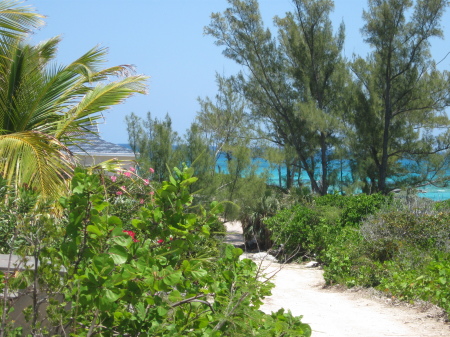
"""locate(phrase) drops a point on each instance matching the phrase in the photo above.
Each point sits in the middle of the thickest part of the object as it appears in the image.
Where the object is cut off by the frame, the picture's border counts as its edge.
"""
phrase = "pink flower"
(119, 193)
(160, 241)
(132, 234)
(127, 174)
(141, 201)
(151, 193)
(132, 169)
(146, 182)
(123, 188)
(113, 178)
(151, 170)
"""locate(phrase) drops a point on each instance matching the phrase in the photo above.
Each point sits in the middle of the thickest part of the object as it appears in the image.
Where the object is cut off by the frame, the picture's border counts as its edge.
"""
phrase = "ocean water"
(430, 192)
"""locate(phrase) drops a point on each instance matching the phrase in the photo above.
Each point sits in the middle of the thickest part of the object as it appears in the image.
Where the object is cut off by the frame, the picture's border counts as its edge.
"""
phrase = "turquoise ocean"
(430, 192)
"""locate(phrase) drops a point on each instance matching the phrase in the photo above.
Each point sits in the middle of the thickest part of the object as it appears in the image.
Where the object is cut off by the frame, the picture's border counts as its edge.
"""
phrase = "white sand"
(333, 313)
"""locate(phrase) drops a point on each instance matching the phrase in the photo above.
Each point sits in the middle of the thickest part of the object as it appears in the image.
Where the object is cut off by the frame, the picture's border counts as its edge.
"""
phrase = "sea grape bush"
(399, 245)
(430, 283)
(308, 229)
(354, 207)
(127, 190)
(146, 276)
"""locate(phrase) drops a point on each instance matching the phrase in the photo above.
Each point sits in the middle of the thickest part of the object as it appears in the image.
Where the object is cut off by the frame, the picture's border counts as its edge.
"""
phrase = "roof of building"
(94, 145)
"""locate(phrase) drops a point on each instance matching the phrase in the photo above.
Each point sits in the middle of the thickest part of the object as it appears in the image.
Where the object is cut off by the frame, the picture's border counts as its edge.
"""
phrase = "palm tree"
(45, 107)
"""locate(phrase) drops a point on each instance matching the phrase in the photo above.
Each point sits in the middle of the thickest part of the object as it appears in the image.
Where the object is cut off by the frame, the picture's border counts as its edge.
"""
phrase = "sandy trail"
(333, 313)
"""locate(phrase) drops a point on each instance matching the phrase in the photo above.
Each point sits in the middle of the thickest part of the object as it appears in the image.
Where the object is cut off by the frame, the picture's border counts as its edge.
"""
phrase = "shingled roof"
(95, 146)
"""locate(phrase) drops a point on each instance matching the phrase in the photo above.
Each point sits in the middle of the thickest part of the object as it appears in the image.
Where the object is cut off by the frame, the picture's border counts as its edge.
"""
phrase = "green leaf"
(103, 263)
(228, 274)
(237, 252)
(172, 278)
(136, 223)
(229, 252)
(172, 180)
(110, 295)
(189, 181)
(175, 296)
(119, 254)
(161, 311)
(199, 274)
(94, 230)
(114, 221)
(205, 229)
(186, 266)
(124, 241)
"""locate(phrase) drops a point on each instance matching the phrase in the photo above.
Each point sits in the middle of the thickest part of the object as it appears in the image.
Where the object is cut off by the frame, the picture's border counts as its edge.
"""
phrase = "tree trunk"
(323, 148)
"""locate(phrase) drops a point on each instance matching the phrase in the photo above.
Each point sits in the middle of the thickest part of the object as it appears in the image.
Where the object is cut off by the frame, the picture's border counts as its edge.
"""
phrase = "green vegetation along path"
(334, 313)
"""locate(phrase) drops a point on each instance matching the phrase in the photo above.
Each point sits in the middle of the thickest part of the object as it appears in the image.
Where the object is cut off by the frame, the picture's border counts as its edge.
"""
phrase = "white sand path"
(334, 313)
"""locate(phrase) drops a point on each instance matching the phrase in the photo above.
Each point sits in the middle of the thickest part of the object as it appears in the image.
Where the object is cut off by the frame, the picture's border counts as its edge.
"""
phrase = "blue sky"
(164, 40)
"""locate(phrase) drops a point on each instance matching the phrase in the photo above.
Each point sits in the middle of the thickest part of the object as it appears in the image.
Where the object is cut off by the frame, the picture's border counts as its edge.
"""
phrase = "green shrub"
(348, 262)
(360, 206)
(429, 282)
(354, 208)
(303, 230)
(393, 228)
(154, 278)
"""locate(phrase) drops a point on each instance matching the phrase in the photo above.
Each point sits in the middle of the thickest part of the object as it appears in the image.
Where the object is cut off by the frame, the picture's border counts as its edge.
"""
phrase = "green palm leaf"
(15, 20)
(45, 107)
(35, 159)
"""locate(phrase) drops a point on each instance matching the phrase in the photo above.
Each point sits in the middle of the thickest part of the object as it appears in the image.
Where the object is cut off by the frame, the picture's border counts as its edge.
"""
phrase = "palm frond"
(35, 159)
(110, 165)
(100, 98)
(16, 21)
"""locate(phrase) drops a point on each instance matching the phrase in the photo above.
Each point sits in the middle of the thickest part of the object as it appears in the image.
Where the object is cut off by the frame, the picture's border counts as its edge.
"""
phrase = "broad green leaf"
(175, 296)
(172, 180)
(124, 241)
(173, 278)
(237, 252)
(94, 230)
(228, 274)
(119, 254)
(229, 252)
(111, 296)
(114, 221)
(199, 274)
(189, 181)
(136, 223)
(103, 263)
(205, 229)
(161, 311)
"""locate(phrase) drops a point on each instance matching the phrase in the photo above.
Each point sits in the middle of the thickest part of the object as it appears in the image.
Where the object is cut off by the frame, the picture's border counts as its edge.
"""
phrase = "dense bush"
(400, 225)
(403, 249)
(348, 261)
(151, 276)
(354, 207)
(308, 229)
(399, 245)
(428, 281)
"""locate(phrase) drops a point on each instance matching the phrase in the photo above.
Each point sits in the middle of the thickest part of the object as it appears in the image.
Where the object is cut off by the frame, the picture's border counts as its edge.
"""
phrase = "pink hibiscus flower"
(132, 234)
